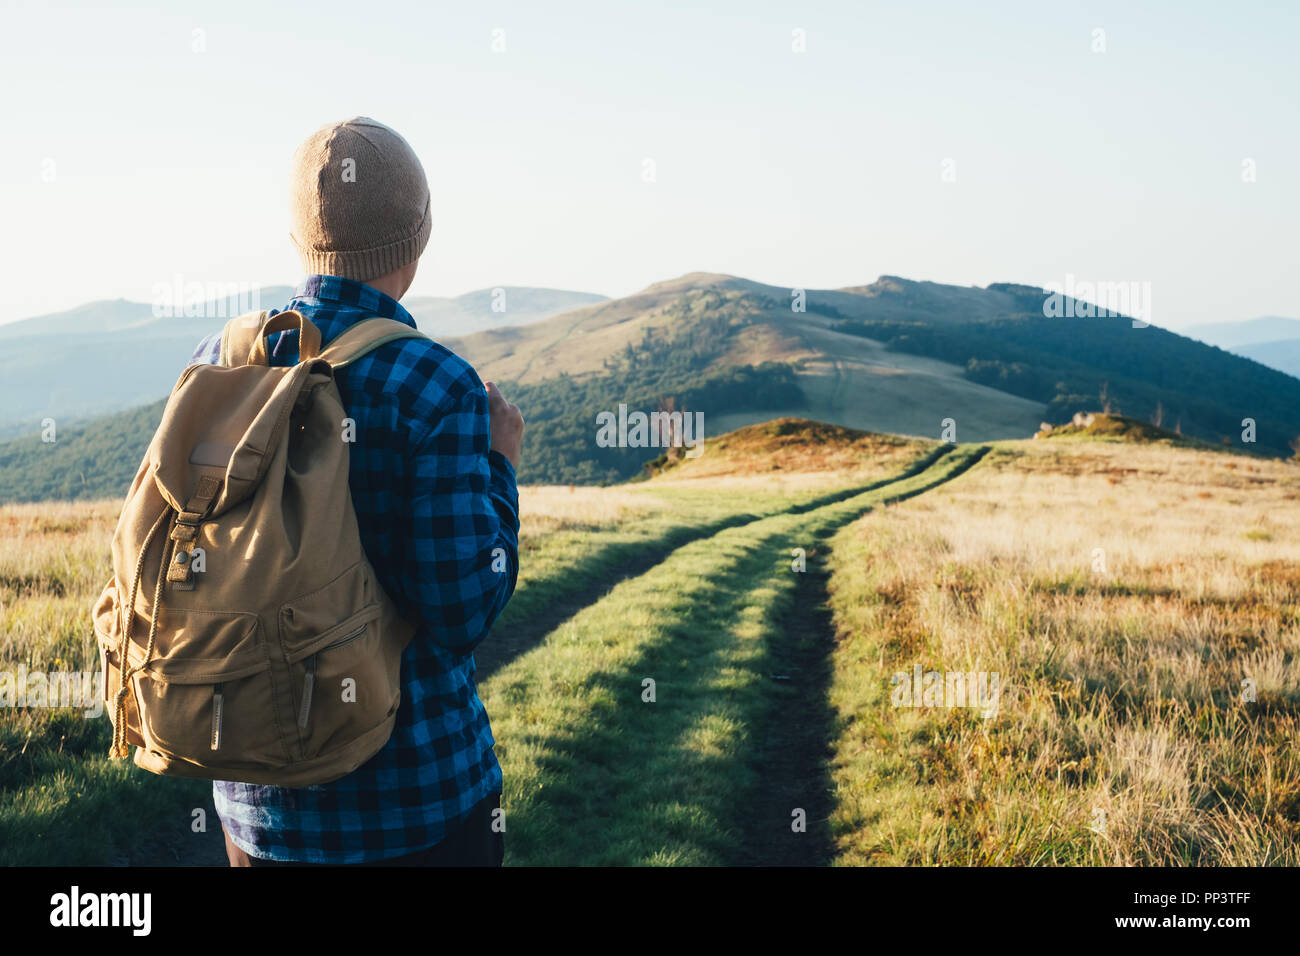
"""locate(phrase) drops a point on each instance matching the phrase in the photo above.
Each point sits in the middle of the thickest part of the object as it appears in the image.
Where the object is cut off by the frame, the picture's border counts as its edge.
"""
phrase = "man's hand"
(506, 423)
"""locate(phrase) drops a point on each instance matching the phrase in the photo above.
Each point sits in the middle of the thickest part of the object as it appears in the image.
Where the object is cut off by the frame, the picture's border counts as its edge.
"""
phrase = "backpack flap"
(225, 425)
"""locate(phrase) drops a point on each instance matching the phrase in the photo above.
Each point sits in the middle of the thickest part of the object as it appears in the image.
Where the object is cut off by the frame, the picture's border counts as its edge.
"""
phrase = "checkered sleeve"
(463, 512)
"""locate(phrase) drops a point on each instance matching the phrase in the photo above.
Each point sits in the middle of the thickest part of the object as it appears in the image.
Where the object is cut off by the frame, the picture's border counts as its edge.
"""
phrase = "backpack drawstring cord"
(119, 746)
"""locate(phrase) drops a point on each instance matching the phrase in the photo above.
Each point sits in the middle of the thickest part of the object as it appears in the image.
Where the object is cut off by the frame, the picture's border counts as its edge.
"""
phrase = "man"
(432, 478)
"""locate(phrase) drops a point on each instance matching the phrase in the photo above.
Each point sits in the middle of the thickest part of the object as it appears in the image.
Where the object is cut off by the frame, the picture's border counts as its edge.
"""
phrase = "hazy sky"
(136, 150)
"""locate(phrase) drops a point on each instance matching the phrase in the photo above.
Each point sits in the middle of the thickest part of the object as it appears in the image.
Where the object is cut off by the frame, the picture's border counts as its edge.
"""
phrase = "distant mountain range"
(895, 355)
(1269, 340)
(115, 354)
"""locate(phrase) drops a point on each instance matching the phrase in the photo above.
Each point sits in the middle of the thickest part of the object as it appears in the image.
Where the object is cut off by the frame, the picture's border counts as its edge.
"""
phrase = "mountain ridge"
(898, 356)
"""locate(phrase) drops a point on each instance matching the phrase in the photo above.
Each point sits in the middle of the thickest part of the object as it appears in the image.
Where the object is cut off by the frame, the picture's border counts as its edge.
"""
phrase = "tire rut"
(793, 760)
(505, 644)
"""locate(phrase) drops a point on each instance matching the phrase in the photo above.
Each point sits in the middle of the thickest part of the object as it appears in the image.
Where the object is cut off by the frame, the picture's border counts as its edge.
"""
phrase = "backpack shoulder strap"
(238, 336)
(364, 337)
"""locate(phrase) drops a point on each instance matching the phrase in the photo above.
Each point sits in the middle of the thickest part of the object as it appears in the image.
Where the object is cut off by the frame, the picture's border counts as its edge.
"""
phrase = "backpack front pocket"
(345, 684)
(216, 719)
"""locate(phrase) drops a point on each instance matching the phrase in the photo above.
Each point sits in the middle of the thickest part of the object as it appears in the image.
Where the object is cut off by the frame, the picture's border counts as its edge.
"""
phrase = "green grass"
(63, 802)
(569, 562)
(595, 774)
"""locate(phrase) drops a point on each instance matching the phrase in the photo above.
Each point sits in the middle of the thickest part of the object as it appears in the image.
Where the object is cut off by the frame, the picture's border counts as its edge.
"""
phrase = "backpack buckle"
(185, 531)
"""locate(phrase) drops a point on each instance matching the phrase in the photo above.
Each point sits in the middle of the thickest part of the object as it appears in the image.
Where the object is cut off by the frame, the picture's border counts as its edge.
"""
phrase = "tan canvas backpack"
(244, 635)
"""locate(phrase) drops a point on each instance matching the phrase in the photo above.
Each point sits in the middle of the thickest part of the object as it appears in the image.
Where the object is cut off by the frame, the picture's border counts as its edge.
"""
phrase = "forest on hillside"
(1103, 363)
(658, 373)
(89, 459)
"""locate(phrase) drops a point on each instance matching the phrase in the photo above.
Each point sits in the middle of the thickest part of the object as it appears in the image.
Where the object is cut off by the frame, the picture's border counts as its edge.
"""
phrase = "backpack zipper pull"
(218, 698)
(309, 679)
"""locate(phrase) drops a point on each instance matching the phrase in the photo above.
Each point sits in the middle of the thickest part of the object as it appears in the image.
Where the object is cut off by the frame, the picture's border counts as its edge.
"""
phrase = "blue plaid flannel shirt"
(433, 504)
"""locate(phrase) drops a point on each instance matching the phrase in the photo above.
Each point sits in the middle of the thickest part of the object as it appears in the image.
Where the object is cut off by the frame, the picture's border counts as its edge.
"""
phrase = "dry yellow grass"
(547, 508)
(53, 564)
(792, 455)
(1123, 593)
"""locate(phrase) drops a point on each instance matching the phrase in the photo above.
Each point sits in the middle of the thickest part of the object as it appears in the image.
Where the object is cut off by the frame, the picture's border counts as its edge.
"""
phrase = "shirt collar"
(336, 291)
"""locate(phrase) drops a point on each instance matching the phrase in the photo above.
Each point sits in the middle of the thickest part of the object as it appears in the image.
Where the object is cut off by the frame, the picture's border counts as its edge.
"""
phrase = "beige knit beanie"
(360, 202)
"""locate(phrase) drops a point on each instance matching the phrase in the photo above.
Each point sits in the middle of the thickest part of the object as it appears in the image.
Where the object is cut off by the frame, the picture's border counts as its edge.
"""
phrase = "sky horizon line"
(415, 293)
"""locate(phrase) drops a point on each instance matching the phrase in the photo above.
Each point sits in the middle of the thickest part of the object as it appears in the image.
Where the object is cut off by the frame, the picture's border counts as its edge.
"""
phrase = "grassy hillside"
(1119, 428)
(843, 379)
(1074, 364)
(680, 366)
(1123, 590)
(762, 455)
(96, 459)
(901, 356)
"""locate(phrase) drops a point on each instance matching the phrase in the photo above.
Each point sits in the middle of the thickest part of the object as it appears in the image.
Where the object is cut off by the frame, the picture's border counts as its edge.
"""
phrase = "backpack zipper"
(309, 679)
(218, 698)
